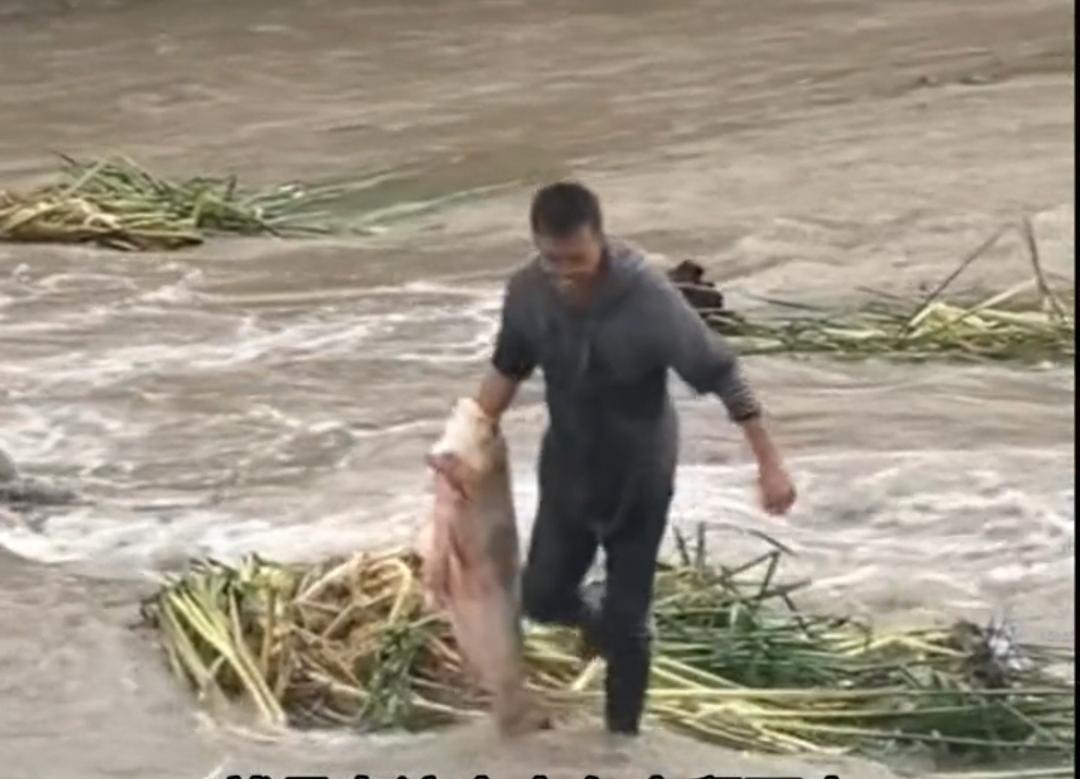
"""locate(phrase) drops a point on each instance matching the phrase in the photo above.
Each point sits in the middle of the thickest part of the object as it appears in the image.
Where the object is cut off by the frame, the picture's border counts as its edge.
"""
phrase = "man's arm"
(708, 364)
(777, 490)
(514, 356)
(757, 437)
(496, 393)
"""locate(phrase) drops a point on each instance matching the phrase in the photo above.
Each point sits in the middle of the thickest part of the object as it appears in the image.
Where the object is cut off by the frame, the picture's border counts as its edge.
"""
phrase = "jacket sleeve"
(701, 357)
(515, 351)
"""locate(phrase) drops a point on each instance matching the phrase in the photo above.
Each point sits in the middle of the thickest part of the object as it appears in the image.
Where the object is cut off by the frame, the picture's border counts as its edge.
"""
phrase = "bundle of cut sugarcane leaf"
(349, 643)
(116, 203)
(337, 643)
(1008, 325)
(740, 665)
(941, 330)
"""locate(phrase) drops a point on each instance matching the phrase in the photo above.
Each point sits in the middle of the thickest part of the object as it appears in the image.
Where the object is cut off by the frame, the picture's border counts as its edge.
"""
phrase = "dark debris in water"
(993, 657)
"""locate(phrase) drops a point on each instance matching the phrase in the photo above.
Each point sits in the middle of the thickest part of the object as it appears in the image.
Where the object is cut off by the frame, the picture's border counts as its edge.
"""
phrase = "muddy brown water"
(277, 396)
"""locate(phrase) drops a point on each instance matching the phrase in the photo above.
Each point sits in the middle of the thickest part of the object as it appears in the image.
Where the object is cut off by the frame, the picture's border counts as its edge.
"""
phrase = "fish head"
(470, 448)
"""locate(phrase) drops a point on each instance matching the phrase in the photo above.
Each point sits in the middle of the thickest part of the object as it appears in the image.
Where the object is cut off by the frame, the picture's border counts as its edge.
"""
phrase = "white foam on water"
(372, 328)
(946, 540)
(297, 298)
(180, 292)
(83, 281)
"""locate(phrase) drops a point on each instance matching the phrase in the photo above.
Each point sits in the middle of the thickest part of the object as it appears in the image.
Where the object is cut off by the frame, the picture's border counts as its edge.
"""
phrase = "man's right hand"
(496, 393)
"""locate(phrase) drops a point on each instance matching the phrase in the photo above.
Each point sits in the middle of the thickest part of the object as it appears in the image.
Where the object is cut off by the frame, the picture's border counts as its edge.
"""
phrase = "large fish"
(471, 561)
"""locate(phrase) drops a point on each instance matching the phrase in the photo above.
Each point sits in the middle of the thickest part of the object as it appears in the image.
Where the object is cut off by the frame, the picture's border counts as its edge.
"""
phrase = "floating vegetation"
(348, 643)
(1008, 325)
(116, 203)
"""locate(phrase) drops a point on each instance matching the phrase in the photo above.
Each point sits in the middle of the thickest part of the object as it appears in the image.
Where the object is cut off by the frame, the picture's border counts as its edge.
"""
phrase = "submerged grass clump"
(115, 203)
(348, 643)
(1008, 325)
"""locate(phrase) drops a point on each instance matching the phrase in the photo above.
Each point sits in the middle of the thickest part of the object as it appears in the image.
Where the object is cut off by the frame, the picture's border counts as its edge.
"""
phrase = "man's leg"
(624, 619)
(560, 553)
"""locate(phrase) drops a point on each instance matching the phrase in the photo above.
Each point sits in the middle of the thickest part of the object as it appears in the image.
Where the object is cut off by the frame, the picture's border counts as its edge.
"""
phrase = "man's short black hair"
(561, 208)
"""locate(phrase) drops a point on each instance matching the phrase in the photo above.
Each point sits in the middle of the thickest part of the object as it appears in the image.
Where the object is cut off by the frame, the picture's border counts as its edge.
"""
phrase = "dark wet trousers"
(616, 624)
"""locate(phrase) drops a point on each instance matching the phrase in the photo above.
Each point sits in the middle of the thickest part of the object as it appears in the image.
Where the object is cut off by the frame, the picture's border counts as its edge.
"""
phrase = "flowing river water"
(260, 395)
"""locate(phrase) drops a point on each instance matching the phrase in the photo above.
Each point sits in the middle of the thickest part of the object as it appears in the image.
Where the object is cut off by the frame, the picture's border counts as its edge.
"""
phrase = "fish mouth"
(443, 462)
(451, 467)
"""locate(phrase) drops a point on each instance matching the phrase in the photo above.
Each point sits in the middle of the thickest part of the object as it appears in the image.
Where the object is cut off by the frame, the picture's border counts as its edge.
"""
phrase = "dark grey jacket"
(612, 425)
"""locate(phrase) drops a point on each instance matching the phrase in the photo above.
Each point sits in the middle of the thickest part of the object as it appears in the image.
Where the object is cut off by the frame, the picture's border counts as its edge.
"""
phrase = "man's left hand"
(777, 489)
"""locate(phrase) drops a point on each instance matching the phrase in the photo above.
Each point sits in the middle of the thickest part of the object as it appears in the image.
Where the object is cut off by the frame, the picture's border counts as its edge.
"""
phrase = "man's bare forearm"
(777, 490)
(765, 452)
(496, 393)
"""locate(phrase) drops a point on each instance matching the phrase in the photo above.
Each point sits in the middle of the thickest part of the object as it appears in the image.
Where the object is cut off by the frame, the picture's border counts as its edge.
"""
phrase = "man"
(605, 327)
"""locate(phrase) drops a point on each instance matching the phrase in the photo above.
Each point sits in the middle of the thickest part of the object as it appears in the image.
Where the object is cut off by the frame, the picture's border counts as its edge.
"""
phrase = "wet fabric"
(608, 458)
(615, 619)
(612, 427)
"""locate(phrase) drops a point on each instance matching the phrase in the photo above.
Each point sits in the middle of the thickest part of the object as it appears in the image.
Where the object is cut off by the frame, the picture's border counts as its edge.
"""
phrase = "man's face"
(572, 261)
